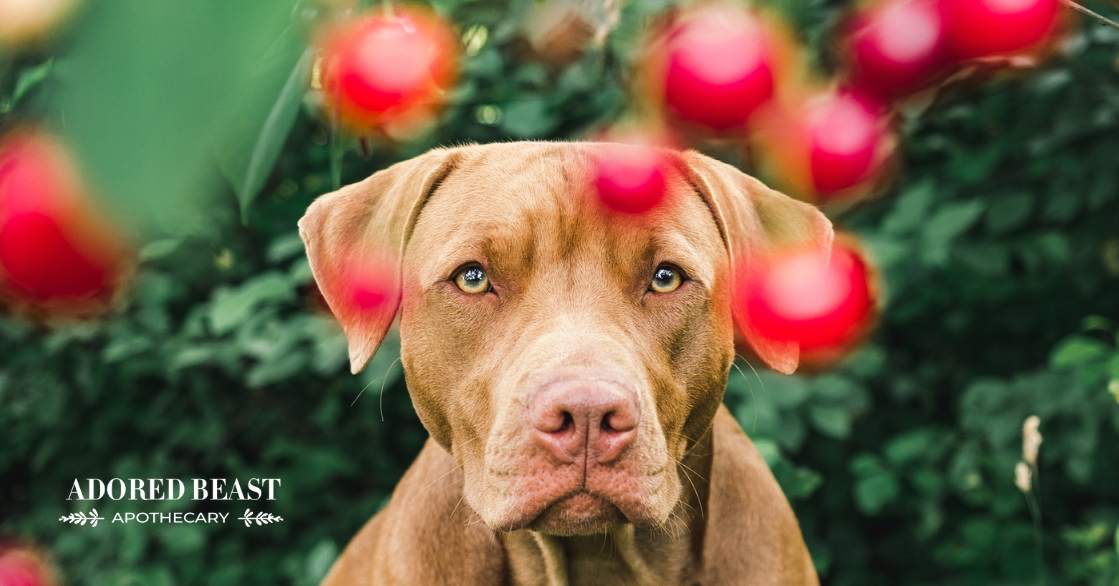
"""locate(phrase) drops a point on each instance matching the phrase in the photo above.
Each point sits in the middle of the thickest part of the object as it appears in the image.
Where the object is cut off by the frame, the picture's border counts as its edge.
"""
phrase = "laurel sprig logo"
(81, 518)
(259, 518)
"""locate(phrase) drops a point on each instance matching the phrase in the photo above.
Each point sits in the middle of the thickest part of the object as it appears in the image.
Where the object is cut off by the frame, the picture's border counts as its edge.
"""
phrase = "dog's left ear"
(371, 219)
(756, 221)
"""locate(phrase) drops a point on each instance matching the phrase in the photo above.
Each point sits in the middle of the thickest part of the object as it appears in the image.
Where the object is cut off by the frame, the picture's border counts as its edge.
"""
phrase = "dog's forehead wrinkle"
(537, 209)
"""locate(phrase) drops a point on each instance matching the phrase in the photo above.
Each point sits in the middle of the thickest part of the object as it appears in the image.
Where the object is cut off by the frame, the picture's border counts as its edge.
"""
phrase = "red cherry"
(53, 251)
(370, 283)
(42, 261)
(718, 68)
(630, 178)
(896, 47)
(845, 134)
(988, 28)
(384, 66)
(807, 297)
(21, 569)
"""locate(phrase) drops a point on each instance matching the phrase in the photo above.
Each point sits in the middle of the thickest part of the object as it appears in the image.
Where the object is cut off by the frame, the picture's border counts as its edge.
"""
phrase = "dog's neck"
(625, 555)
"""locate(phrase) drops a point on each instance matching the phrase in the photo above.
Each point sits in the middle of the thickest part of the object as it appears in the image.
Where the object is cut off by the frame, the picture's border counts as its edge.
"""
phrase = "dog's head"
(566, 355)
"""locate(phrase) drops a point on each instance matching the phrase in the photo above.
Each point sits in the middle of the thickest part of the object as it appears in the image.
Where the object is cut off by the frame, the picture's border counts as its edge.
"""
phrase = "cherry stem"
(1094, 15)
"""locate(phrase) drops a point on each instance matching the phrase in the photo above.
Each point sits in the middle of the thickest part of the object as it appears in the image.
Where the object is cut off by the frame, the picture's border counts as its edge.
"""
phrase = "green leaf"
(487, 64)
(247, 166)
(159, 249)
(910, 446)
(1008, 212)
(182, 539)
(864, 465)
(278, 369)
(950, 221)
(233, 306)
(29, 78)
(991, 260)
(1054, 246)
(786, 392)
(195, 355)
(838, 389)
(769, 451)
(875, 492)
(319, 560)
(1077, 350)
(125, 347)
(1062, 206)
(831, 421)
(875, 486)
(529, 118)
(970, 166)
(911, 209)
(799, 483)
(285, 247)
(867, 362)
(149, 88)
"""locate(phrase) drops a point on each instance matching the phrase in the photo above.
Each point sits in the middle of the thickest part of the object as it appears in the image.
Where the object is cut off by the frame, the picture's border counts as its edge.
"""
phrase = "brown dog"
(569, 363)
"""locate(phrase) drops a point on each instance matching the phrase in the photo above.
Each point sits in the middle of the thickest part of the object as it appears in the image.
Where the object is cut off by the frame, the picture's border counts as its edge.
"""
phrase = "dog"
(569, 362)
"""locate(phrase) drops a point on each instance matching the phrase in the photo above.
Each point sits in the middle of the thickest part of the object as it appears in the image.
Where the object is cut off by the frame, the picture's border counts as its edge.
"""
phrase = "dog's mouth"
(580, 513)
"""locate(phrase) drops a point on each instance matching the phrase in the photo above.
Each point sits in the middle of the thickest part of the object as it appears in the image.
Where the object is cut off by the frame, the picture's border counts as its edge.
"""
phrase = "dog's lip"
(532, 520)
(630, 510)
(602, 510)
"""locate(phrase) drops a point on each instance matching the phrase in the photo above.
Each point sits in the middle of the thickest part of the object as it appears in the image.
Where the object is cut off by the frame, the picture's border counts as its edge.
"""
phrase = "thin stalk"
(1035, 513)
(1092, 14)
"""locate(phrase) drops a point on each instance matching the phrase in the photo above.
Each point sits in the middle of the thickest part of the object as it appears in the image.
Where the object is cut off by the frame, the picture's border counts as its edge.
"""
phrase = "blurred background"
(198, 345)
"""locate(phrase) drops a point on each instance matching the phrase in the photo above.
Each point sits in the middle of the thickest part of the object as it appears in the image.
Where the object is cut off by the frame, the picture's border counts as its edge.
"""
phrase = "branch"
(1094, 15)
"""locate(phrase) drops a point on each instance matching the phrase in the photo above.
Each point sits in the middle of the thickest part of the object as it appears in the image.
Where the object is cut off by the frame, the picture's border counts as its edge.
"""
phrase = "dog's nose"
(576, 416)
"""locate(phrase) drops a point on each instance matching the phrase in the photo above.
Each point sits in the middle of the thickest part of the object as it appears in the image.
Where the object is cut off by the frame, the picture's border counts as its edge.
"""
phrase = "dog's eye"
(666, 279)
(473, 280)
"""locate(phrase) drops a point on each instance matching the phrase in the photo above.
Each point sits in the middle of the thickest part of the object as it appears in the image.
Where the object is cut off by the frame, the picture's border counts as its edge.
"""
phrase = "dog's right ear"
(756, 222)
(369, 221)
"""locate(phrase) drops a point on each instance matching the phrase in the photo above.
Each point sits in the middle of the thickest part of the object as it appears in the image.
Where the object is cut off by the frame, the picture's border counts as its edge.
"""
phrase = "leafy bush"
(997, 246)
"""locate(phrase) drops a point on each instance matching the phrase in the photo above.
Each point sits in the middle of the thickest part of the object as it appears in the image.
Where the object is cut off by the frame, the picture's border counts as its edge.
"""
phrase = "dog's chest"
(597, 560)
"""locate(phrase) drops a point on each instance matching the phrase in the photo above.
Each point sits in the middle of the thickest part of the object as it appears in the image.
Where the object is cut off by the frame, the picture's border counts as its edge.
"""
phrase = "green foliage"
(995, 244)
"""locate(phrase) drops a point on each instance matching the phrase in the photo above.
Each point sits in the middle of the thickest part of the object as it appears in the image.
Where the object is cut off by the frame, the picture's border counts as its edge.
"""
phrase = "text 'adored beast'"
(169, 489)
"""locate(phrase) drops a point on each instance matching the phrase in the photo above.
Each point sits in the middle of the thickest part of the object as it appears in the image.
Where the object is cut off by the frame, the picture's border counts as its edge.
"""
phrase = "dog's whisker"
(760, 382)
(685, 504)
(384, 380)
(359, 393)
(460, 499)
(749, 386)
(441, 477)
(757, 376)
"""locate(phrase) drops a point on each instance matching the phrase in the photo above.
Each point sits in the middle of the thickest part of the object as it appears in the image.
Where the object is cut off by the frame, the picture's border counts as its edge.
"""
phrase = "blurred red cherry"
(42, 260)
(988, 28)
(828, 146)
(22, 568)
(718, 67)
(370, 283)
(383, 66)
(845, 135)
(55, 252)
(895, 48)
(811, 298)
(630, 178)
